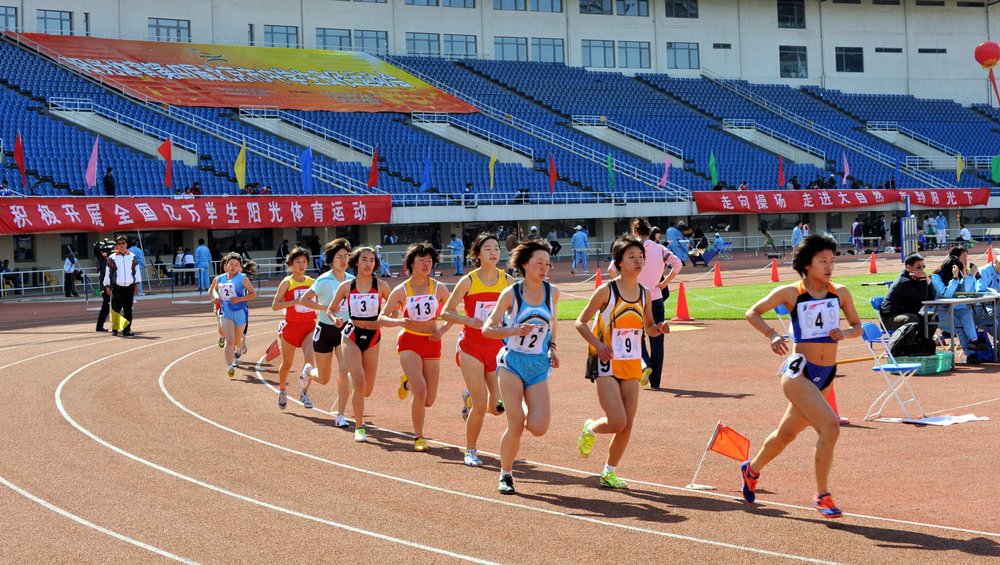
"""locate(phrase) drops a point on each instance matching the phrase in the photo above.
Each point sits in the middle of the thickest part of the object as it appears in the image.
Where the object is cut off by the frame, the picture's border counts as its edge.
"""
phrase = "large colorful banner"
(37, 215)
(228, 76)
(781, 201)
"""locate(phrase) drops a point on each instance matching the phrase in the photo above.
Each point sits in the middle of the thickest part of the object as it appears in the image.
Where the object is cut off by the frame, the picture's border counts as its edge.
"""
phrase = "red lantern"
(988, 54)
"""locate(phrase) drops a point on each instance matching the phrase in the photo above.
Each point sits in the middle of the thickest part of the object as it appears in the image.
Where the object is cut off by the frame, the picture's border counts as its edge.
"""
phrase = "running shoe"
(282, 399)
(307, 403)
(243, 349)
(506, 485)
(466, 404)
(826, 506)
(304, 377)
(232, 370)
(472, 458)
(359, 435)
(645, 376)
(749, 482)
(403, 389)
(611, 480)
(500, 407)
(586, 441)
(420, 445)
(222, 342)
(341, 422)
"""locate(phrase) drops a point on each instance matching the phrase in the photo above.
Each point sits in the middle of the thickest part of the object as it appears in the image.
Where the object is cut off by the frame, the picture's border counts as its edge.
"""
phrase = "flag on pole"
(240, 166)
(373, 171)
(781, 172)
(959, 167)
(91, 175)
(425, 177)
(611, 171)
(995, 169)
(166, 151)
(666, 171)
(306, 164)
(847, 169)
(713, 168)
(118, 322)
(726, 441)
(552, 173)
(493, 162)
(19, 159)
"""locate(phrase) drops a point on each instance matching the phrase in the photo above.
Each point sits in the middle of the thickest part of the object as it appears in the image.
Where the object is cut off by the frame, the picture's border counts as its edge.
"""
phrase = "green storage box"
(931, 364)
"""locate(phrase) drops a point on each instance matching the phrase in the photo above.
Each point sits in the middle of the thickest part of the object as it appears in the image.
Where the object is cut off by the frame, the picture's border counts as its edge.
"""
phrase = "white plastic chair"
(896, 375)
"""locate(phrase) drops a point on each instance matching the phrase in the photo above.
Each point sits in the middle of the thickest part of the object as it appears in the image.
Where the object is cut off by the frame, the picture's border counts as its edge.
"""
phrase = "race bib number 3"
(227, 291)
(484, 309)
(627, 344)
(364, 305)
(531, 343)
(817, 318)
(421, 307)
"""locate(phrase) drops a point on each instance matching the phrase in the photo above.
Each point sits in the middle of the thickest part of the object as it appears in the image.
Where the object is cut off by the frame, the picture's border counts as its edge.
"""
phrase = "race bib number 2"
(227, 291)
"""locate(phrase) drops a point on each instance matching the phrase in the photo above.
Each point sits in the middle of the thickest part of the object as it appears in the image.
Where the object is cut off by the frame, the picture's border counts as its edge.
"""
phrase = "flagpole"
(693, 485)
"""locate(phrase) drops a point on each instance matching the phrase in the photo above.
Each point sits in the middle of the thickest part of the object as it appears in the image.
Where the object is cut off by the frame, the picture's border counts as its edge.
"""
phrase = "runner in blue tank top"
(232, 290)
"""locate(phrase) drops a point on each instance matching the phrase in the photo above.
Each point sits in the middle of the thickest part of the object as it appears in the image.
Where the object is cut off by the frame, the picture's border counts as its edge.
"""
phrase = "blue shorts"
(796, 365)
(239, 317)
(530, 368)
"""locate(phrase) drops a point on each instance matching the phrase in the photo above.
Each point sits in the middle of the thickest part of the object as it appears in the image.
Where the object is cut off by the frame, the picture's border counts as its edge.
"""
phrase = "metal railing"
(275, 113)
(531, 198)
(882, 125)
(590, 120)
(871, 153)
(752, 124)
(87, 105)
(948, 162)
(494, 138)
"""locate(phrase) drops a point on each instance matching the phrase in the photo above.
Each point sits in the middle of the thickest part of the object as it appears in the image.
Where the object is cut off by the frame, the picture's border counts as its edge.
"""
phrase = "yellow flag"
(240, 167)
(959, 167)
(118, 322)
(493, 162)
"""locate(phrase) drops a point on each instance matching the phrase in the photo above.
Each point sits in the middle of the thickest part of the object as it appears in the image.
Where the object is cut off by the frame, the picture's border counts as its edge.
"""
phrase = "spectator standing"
(510, 243)
(141, 257)
(203, 262)
(119, 282)
(436, 240)
(109, 182)
(553, 238)
(70, 267)
(280, 254)
(178, 264)
(102, 251)
(797, 234)
(581, 245)
(457, 254)
(857, 234)
(903, 302)
(675, 243)
(941, 230)
(316, 250)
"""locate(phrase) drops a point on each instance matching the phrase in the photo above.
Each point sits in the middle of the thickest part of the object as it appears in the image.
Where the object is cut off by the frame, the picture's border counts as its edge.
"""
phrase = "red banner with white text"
(37, 215)
(781, 201)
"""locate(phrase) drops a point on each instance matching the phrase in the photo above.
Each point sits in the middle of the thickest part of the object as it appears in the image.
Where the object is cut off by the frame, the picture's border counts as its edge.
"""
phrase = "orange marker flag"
(726, 441)
(273, 351)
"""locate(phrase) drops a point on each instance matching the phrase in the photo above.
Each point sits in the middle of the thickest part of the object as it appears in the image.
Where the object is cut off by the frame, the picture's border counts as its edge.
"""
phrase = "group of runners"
(508, 342)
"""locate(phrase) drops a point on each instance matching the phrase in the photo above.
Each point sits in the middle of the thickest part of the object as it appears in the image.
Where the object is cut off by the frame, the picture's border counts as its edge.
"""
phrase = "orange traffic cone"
(597, 280)
(831, 399)
(774, 270)
(989, 254)
(718, 275)
(682, 306)
(871, 265)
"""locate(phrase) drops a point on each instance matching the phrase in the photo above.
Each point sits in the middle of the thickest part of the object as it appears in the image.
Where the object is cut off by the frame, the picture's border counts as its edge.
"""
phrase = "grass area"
(731, 302)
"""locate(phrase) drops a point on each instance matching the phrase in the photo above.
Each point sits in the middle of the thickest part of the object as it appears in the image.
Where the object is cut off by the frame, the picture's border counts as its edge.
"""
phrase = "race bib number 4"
(484, 309)
(531, 343)
(627, 344)
(364, 305)
(817, 318)
(227, 291)
(421, 307)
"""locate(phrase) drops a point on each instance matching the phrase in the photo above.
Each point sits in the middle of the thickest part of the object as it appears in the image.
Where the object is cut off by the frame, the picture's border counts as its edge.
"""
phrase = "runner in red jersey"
(299, 322)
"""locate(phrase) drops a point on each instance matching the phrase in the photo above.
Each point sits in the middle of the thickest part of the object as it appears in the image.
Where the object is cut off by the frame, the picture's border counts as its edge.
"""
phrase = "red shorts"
(485, 351)
(296, 333)
(419, 344)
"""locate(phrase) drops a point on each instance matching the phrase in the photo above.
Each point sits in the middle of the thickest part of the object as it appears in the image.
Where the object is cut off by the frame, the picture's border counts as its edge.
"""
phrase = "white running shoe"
(360, 436)
(243, 348)
(472, 458)
(341, 422)
(304, 377)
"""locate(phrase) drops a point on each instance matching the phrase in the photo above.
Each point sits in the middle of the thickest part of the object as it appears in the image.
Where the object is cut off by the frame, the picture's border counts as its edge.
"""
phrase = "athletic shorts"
(364, 339)
(326, 337)
(239, 317)
(420, 344)
(796, 365)
(296, 334)
(483, 350)
(530, 368)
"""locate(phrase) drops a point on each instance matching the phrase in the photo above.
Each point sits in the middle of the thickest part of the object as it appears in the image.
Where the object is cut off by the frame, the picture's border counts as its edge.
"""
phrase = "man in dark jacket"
(903, 302)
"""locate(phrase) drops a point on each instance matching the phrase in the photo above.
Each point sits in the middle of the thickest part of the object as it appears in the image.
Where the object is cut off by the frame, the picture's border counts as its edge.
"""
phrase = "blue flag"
(425, 178)
(306, 163)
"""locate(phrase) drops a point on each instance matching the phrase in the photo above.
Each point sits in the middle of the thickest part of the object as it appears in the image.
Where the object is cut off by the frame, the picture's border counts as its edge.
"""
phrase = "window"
(598, 53)
(510, 48)
(24, 248)
(885, 2)
(850, 59)
(846, 1)
(888, 49)
(682, 56)
(632, 7)
(86, 24)
(547, 50)
(722, 46)
(281, 36)
(8, 18)
(792, 61)
(930, 2)
(164, 29)
(459, 46)
(333, 38)
(371, 41)
(546, 6)
(422, 43)
(971, 4)
(682, 8)
(633, 54)
(250, 37)
(421, 2)
(509, 5)
(55, 22)
(792, 14)
(371, 1)
(458, 3)
(599, 7)
(932, 51)
(79, 243)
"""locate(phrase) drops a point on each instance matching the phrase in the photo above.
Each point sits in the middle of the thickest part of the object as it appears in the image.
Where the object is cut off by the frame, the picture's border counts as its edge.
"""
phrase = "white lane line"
(806, 509)
(92, 525)
(962, 407)
(221, 490)
(434, 488)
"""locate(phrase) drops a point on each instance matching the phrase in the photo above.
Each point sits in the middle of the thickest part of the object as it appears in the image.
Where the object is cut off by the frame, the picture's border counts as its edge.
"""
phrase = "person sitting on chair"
(948, 279)
(903, 301)
(718, 244)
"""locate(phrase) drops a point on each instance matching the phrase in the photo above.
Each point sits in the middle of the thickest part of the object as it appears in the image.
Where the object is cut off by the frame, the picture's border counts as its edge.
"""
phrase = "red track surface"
(148, 439)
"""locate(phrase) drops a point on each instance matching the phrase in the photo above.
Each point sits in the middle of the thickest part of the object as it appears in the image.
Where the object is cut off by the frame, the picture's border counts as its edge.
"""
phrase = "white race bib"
(531, 343)
(422, 307)
(484, 309)
(627, 344)
(298, 293)
(817, 318)
(364, 305)
(227, 291)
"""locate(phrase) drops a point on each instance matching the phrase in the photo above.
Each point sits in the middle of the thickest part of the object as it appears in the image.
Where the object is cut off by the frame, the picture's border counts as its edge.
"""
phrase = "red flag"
(373, 171)
(781, 172)
(726, 441)
(165, 152)
(552, 173)
(19, 159)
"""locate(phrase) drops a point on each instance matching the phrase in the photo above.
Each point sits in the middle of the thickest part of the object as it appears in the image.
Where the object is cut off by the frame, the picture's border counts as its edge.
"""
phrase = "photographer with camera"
(102, 249)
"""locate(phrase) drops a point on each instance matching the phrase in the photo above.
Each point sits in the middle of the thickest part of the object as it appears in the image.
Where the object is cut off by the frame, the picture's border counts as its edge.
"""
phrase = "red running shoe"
(749, 482)
(826, 506)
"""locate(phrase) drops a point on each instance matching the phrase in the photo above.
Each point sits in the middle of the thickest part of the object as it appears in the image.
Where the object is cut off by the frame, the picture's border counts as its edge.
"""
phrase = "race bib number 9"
(364, 305)
(627, 344)
(297, 293)
(484, 309)
(422, 307)
(227, 291)
(531, 343)
(817, 318)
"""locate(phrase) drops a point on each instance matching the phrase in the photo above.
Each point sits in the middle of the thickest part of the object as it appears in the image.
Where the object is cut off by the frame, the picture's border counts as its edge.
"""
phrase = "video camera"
(104, 246)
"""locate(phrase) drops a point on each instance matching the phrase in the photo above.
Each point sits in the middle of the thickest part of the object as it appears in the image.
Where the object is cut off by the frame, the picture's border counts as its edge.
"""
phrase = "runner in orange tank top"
(299, 322)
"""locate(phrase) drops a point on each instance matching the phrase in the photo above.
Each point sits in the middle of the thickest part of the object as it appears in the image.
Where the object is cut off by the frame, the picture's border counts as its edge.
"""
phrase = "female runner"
(231, 291)
(299, 322)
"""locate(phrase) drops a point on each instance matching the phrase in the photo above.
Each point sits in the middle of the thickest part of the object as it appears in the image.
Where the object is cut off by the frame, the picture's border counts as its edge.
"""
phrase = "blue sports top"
(230, 288)
(814, 318)
(325, 286)
(536, 342)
